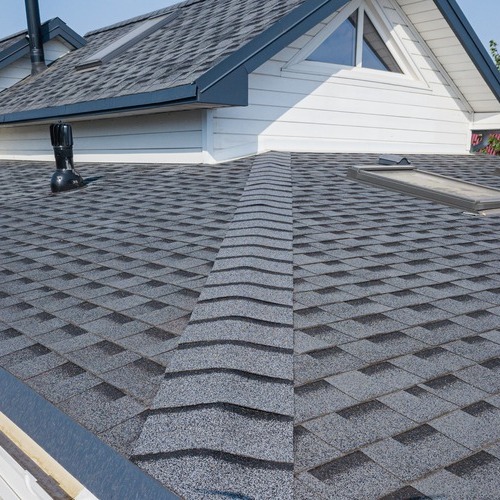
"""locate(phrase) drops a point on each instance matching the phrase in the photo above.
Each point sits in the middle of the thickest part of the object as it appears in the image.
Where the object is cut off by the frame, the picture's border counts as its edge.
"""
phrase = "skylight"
(407, 179)
(125, 42)
(346, 47)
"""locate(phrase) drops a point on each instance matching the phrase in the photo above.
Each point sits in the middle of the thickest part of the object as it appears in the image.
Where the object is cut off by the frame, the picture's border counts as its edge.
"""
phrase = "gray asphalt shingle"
(180, 308)
(202, 34)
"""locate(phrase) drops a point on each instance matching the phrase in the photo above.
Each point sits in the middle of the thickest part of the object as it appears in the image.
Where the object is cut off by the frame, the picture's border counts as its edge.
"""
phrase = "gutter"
(184, 94)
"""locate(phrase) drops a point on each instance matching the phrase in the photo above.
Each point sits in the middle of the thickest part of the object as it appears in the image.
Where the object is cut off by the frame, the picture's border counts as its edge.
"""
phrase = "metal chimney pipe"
(35, 37)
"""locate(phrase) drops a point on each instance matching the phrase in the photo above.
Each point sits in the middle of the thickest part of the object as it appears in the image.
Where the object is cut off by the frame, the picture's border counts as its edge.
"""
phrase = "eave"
(471, 43)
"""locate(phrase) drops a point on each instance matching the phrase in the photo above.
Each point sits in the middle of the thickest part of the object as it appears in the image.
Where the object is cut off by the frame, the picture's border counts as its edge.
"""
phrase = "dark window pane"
(340, 46)
(376, 55)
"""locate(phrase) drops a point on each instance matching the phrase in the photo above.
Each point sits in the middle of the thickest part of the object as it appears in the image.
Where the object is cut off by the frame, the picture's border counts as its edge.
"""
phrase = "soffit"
(440, 38)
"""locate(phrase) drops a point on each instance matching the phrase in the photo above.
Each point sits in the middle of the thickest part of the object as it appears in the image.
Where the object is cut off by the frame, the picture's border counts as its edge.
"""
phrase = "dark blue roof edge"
(50, 29)
(471, 43)
(98, 467)
(183, 94)
(14, 52)
(57, 27)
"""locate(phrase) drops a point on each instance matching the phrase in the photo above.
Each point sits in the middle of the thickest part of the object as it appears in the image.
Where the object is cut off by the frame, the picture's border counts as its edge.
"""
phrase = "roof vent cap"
(393, 160)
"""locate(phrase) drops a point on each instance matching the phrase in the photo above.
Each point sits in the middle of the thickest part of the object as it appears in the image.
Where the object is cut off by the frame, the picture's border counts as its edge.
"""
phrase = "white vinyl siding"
(173, 137)
(300, 111)
(54, 49)
(15, 72)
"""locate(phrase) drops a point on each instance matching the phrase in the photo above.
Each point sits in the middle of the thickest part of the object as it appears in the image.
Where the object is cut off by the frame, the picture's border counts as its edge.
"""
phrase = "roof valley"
(227, 401)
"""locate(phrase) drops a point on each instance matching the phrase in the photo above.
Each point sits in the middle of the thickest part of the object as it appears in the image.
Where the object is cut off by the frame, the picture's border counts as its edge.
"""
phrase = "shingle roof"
(205, 32)
(161, 317)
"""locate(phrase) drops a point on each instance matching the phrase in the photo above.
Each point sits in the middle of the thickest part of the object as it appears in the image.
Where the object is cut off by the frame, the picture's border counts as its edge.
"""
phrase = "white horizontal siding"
(162, 137)
(299, 111)
(15, 72)
(54, 49)
(486, 121)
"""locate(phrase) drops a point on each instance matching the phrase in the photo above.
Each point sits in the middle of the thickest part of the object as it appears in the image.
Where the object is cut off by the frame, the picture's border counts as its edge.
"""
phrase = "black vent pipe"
(65, 177)
(35, 37)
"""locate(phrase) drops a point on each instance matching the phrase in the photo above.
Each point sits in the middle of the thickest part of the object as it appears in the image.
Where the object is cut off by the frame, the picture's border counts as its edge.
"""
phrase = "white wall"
(14, 72)
(486, 121)
(21, 68)
(349, 111)
(163, 137)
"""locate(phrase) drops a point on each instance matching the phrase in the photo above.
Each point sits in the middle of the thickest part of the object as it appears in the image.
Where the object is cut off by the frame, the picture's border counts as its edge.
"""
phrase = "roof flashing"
(121, 45)
(430, 186)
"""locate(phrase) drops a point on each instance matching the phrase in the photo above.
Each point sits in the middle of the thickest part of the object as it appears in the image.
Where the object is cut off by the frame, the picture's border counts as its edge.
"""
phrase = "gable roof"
(201, 58)
(16, 46)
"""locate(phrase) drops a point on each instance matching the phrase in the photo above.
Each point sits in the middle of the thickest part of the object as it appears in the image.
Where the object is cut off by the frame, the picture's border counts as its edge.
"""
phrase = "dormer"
(15, 65)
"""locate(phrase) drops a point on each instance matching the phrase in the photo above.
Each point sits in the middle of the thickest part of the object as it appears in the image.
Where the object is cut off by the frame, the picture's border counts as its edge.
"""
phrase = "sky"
(86, 15)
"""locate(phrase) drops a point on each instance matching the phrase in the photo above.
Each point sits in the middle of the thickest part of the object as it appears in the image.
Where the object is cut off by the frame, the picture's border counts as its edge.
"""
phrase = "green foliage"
(494, 142)
(494, 53)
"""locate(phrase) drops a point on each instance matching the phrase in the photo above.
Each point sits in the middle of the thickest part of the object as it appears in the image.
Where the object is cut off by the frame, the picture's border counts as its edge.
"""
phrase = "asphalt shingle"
(368, 324)
(157, 62)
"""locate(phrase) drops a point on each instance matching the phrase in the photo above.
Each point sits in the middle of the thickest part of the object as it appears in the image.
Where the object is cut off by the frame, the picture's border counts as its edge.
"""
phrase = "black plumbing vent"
(65, 177)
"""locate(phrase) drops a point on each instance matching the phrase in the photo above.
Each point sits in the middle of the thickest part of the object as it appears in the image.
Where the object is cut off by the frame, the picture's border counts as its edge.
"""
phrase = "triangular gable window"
(356, 42)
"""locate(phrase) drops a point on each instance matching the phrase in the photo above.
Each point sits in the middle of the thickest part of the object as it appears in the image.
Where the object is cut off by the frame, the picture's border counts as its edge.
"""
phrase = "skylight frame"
(146, 28)
(376, 175)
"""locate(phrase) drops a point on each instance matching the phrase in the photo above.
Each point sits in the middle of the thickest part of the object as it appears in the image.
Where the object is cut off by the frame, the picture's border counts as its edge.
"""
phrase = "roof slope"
(205, 32)
(160, 318)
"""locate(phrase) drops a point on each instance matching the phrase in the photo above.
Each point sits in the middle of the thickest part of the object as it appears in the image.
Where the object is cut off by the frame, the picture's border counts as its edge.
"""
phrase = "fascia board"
(57, 27)
(14, 52)
(471, 43)
(177, 95)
